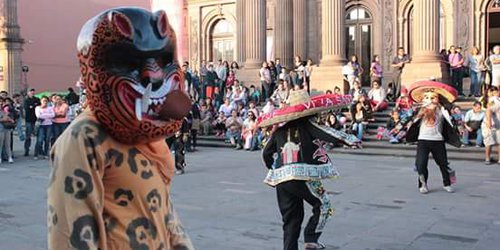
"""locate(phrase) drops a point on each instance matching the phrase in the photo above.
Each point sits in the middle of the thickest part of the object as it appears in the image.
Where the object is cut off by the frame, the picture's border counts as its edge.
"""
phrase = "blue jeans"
(58, 129)
(476, 79)
(358, 128)
(43, 140)
(30, 130)
(19, 129)
(479, 137)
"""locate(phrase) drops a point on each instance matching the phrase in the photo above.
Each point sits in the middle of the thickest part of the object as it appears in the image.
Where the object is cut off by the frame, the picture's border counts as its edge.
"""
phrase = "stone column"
(426, 62)
(283, 34)
(299, 28)
(329, 73)
(240, 31)
(333, 32)
(426, 31)
(10, 48)
(255, 29)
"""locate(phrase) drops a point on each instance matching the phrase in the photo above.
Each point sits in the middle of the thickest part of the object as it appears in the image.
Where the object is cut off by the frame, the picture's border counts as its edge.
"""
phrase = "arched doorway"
(493, 24)
(359, 40)
(222, 41)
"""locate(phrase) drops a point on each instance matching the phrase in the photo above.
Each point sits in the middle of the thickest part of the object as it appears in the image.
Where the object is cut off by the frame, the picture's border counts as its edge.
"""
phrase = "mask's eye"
(166, 59)
(118, 61)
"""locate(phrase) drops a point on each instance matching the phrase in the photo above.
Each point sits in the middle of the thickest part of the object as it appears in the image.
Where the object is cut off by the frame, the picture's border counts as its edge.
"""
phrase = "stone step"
(372, 146)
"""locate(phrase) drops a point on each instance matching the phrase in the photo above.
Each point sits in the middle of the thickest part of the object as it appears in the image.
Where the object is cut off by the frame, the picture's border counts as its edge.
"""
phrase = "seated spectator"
(366, 107)
(390, 92)
(472, 124)
(242, 110)
(377, 97)
(237, 97)
(332, 121)
(280, 94)
(226, 108)
(359, 120)
(254, 94)
(205, 120)
(457, 118)
(249, 132)
(219, 125)
(395, 130)
(234, 125)
(404, 104)
(251, 107)
(269, 107)
(328, 92)
(230, 80)
(337, 90)
(357, 91)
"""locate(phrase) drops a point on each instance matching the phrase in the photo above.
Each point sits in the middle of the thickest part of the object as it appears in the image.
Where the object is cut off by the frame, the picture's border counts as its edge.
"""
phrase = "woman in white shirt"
(377, 97)
(477, 69)
(44, 113)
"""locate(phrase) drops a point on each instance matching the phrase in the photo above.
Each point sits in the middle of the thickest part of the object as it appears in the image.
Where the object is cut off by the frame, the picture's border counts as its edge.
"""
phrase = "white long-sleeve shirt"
(45, 114)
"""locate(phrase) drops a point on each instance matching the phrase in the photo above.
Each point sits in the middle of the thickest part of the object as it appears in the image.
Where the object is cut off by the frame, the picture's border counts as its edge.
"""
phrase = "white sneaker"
(11, 160)
(449, 189)
(423, 189)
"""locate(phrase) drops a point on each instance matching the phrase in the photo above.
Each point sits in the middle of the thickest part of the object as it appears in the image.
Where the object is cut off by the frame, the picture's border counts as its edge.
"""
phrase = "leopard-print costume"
(104, 194)
(110, 182)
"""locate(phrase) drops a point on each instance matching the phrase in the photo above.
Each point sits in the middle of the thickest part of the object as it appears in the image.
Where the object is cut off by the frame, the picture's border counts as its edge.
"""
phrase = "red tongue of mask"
(176, 106)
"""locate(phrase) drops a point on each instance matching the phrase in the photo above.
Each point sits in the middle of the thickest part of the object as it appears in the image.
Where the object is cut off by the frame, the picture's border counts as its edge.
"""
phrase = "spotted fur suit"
(104, 194)
(111, 168)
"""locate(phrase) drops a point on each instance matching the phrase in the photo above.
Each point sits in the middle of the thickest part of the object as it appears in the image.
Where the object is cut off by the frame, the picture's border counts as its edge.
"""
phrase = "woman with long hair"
(6, 126)
(376, 70)
(477, 69)
(61, 120)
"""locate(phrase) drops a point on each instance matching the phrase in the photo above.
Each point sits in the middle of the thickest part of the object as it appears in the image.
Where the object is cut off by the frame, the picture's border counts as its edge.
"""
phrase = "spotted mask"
(131, 74)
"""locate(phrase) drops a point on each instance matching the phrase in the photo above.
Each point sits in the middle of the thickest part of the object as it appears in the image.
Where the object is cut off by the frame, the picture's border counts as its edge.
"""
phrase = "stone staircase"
(372, 146)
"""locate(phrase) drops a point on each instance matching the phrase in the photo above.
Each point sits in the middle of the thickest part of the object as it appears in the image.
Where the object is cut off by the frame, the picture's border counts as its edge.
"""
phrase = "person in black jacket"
(30, 104)
(431, 129)
(297, 162)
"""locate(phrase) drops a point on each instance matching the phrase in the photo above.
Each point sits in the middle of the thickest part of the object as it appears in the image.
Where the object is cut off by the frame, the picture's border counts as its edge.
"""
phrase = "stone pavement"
(224, 204)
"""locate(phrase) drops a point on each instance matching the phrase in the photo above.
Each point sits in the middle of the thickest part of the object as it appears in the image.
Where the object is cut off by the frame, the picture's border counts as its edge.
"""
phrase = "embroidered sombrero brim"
(418, 89)
(315, 105)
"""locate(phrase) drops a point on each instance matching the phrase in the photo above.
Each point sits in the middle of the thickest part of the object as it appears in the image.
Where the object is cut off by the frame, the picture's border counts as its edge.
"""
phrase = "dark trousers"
(438, 150)
(457, 78)
(30, 130)
(397, 84)
(58, 129)
(291, 197)
(266, 89)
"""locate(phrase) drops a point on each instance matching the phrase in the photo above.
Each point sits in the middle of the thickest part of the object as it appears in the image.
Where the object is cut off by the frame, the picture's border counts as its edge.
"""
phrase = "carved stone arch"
(404, 10)
(207, 24)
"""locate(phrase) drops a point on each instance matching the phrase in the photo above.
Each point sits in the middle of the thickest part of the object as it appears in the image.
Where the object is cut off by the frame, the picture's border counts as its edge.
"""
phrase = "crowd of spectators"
(44, 118)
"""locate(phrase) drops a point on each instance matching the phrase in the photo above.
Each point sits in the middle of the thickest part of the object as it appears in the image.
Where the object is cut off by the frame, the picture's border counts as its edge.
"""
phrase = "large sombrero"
(418, 89)
(300, 104)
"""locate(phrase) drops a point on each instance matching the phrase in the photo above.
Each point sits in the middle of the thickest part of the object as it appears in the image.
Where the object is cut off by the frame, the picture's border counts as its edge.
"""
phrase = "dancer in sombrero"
(297, 162)
(431, 129)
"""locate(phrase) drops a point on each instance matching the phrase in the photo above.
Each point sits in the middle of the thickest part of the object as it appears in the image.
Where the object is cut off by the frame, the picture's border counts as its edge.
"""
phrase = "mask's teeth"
(146, 98)
(138, 109)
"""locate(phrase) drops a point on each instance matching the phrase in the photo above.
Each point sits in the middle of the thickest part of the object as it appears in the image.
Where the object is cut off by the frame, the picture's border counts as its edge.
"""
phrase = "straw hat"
(418, 89)
(300, 104)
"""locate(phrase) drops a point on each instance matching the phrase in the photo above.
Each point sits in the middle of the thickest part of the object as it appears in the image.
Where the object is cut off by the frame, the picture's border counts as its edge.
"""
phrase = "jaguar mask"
(131, 74)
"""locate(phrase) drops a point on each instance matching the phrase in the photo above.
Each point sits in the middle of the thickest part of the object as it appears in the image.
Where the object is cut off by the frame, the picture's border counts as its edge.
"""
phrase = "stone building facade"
(11, 46)
(329, 31)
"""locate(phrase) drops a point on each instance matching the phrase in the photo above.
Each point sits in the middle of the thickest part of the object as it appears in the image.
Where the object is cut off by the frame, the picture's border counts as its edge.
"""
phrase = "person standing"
(491, 125)
(376, 70)
(398, 64)
(7, 123)
(297, 160)
(431, 129)
(278, 66)
(45, 114)
(210, 82)
(30, 103)
(61, 120)
(477, 68)
(495, 66)
(456, 61)
(265, 80)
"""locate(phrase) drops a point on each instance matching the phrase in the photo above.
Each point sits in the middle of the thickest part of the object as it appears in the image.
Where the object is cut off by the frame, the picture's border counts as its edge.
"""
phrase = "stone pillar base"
(248, 77)
(420, 71)
(325, 78)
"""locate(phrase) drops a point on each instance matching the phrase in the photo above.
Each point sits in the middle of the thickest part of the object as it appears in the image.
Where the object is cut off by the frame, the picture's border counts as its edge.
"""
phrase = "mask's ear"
(162, 23)
(122, 23)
